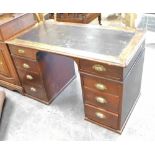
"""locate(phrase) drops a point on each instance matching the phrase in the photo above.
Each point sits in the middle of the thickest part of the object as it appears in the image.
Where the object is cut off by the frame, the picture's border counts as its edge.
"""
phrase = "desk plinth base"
(11, 86)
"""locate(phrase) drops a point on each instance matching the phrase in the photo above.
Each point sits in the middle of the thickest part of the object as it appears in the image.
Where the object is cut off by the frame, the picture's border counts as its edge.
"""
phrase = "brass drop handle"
(100, 100)
(33, 89)
(21, 51)
(100, 115)
(26, 66)
(29, 77)
(100, 86)
(1, 63)
(99, 68)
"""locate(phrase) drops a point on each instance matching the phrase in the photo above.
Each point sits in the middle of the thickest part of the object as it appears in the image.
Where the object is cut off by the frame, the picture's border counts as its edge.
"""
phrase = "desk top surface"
(92, 42)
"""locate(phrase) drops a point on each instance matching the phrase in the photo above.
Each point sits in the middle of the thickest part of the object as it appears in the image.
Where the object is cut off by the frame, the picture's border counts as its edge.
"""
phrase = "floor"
(26, 119)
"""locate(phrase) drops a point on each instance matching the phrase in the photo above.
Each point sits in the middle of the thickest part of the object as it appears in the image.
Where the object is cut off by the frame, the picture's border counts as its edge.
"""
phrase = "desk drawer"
(102, 85)
(30, 77)
(25, 64)
(101, 116)
(34, 91)
(23, 52)
(102, 100)
(100, 69)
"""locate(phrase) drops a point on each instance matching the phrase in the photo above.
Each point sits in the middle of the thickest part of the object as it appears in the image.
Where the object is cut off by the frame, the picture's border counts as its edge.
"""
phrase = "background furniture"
(2, 98)
(11, 25)
(129, 19)
(110, 63)
(84, 18)
(44, 16)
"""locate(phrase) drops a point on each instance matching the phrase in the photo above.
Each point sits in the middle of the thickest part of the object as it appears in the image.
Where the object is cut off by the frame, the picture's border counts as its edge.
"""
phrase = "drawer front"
(102, 85)
(101, 116)
(23, 52)
(34, 91)
(100, 69)
(26, 64)
(102, 100)
(30, 77)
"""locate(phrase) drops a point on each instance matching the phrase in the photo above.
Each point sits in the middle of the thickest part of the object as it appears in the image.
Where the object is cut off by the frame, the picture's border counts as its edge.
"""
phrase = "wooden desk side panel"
(131, 89)
(57, 72)
(12, 76)
(128, 68)
(3, 66)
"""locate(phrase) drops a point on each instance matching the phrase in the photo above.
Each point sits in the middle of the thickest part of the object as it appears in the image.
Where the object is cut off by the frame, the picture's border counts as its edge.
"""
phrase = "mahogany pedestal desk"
(110, 64)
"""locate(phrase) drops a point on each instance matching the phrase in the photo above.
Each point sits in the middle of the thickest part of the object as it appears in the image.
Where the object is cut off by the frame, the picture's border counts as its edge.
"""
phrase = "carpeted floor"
(26, 119)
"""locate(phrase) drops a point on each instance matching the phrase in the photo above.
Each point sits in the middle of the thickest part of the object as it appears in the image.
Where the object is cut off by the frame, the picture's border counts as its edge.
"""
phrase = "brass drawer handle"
(100, 86)
(26, 66)
(1, 63)
(99, 68)
(21, 51)
(29, 77)
(33, 89)
(100, 115)
(100, 100)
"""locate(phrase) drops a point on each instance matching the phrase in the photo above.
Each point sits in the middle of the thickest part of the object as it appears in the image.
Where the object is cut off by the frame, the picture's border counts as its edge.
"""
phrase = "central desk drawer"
(100, 69)
(102, 100)
(30, 77)
(25, 64)
(101, 116)
(23, 52)
(102, 85)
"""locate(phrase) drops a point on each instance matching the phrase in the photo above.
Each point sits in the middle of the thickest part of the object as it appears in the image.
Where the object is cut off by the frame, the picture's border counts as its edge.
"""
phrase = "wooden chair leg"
(99, 19)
